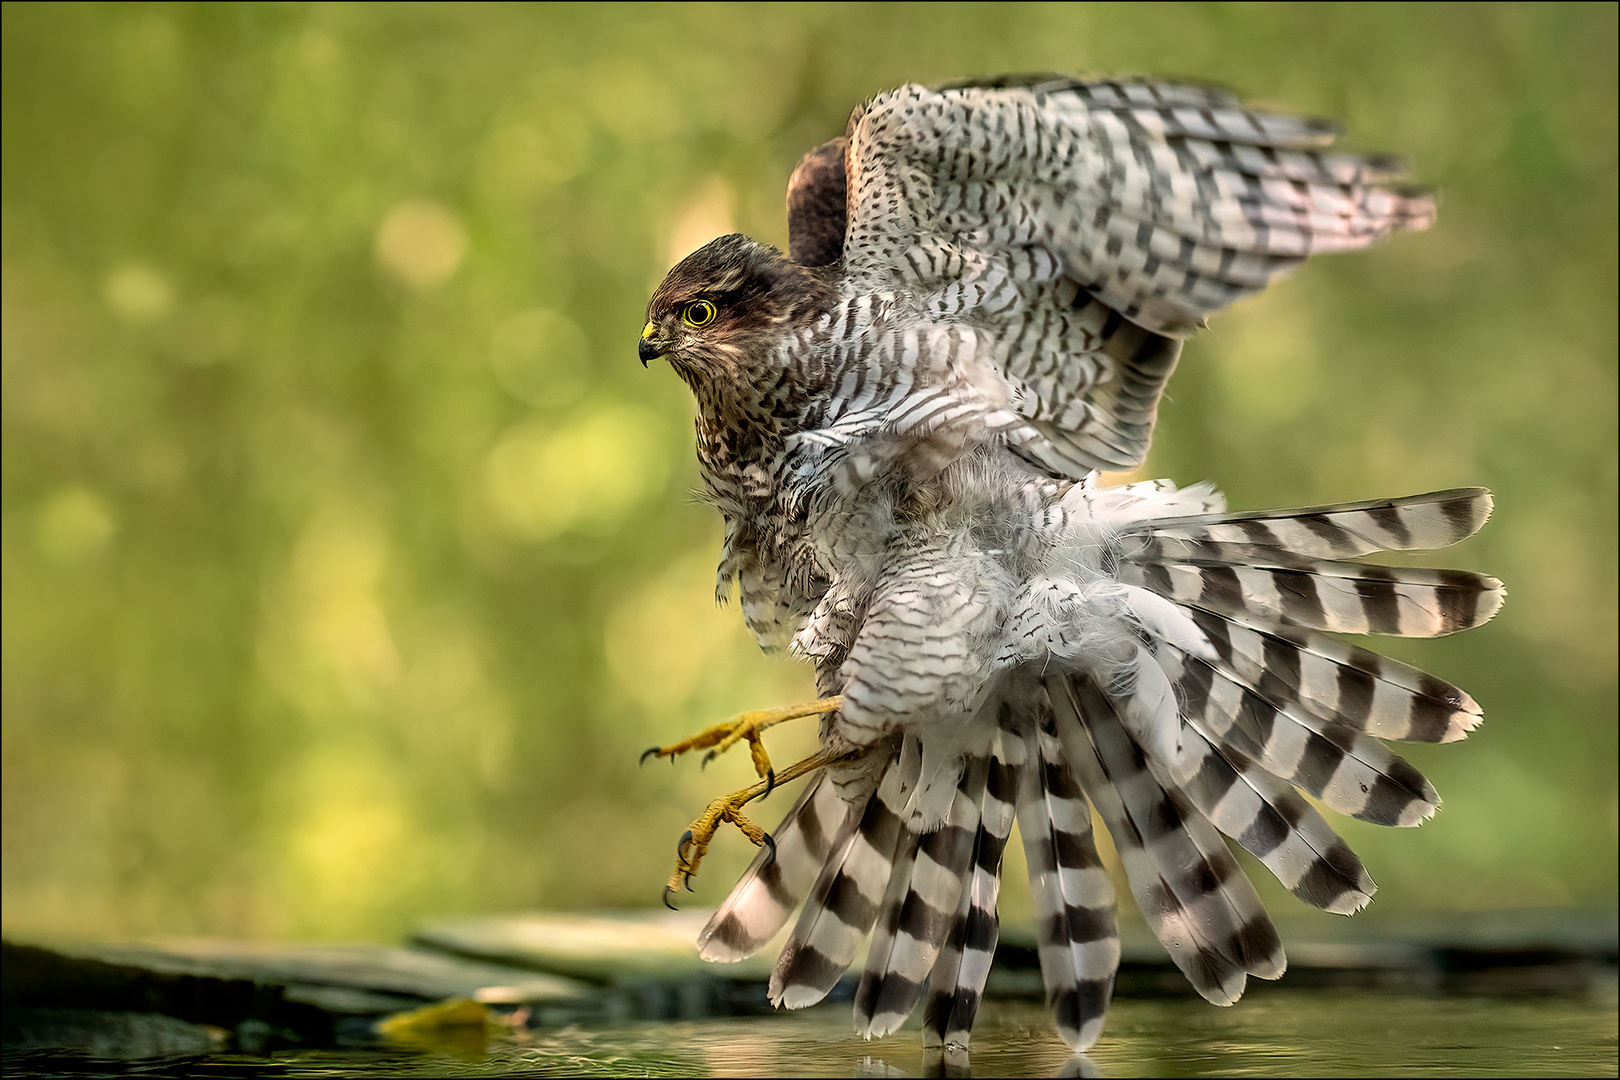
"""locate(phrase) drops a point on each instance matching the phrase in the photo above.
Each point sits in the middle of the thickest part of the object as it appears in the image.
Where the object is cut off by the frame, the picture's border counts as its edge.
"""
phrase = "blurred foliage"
(348, 562)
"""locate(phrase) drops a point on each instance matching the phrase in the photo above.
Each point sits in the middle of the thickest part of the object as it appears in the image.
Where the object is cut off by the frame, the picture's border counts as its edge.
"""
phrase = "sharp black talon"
(770, 842)
(688, 883)
(680, 845)
(645, 754)
(770, 783)
(667, 893)
(704, 764)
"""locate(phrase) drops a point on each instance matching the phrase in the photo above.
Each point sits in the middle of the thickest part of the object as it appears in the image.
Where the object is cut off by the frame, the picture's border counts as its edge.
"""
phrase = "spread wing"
(1087, 226)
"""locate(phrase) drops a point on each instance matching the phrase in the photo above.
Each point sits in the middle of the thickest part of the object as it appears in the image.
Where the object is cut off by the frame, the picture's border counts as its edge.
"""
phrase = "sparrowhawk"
(901, 423)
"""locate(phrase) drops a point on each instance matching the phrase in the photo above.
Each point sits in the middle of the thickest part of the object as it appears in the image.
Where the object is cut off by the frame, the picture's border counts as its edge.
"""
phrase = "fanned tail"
(1261, 685)
(1202, 692)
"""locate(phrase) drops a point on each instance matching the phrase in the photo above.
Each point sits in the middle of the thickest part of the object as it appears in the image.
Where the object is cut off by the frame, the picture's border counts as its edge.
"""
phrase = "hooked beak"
(650, 347)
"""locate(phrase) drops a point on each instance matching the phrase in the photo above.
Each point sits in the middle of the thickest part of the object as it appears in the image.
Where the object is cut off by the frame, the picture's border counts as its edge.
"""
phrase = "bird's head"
(718, 314)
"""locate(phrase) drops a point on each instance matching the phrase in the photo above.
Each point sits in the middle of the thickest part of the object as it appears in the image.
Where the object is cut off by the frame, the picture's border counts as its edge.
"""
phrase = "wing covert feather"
(1049, 212)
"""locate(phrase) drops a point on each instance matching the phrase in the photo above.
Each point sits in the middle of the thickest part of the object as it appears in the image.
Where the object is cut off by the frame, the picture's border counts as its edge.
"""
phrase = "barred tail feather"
(1340, 684)
(1339, 531)
(919, 910)
(956, 985)
(1319, 594)
(777, 880)
(1072, 893)
(845, 899)
(1350, 772)
(1185, 880)
(888, 917)
(1275, 825)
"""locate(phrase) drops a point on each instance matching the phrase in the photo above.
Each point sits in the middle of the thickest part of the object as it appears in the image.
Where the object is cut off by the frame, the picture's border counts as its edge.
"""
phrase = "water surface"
(1320, 1033)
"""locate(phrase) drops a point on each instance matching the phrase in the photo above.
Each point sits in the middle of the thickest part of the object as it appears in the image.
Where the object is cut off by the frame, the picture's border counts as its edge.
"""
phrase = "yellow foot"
(695, 841)
(722, 737)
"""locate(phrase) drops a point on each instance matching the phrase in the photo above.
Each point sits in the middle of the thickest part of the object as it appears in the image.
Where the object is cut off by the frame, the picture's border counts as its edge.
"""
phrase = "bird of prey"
(902, 423)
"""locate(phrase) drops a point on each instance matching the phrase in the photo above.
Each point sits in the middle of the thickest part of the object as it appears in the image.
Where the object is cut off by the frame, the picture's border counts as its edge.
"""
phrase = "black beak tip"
(647, 351)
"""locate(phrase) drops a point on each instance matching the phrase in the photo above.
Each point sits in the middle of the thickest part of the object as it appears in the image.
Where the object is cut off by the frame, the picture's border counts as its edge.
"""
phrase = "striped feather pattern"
(1083, 226)
(1089, 380)
(956, 984)
(1073, 895)
(846, 897)
(1224, 706)
(1340, 685)
(1228, 699)
(1341, 531)
(1350, 772)
(1275, 825)
(1351, 598)
(1171, 209)
(1183, 877)
(887, 928)
(923, 902)
(776, 881)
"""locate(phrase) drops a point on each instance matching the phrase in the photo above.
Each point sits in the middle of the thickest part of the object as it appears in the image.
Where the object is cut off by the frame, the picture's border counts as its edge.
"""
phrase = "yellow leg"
(747, 726)
(695, 841)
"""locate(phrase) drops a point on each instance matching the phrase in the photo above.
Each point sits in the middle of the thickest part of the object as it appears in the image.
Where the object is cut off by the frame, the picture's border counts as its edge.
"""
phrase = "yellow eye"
(699, 313)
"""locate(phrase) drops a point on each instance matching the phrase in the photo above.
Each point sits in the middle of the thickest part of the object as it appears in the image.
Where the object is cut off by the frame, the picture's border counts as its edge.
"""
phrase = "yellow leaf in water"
(454, 1021)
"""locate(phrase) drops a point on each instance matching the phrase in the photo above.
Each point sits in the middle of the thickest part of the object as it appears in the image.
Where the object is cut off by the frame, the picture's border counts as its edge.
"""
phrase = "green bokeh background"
(348, 556)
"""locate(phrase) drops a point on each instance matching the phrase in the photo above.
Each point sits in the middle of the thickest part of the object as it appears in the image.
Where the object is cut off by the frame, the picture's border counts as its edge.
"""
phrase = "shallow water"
(1320, 1033)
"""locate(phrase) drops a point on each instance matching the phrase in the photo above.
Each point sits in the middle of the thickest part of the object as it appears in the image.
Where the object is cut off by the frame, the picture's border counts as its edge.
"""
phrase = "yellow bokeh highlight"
(75, 524)
(708, 212)
(540, 356)
(138, 293)
(586, 475)
(421, 243)
(352, 845)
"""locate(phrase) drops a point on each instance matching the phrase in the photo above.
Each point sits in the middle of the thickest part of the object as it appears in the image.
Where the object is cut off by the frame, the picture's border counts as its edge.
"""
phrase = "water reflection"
(1326, 1033)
